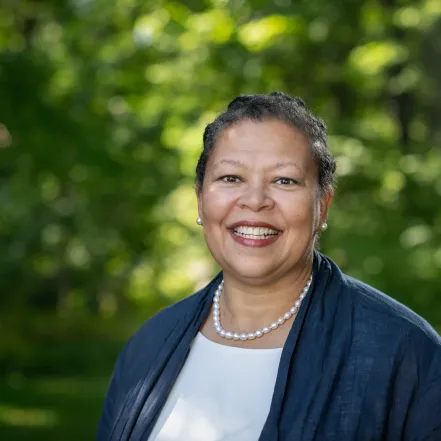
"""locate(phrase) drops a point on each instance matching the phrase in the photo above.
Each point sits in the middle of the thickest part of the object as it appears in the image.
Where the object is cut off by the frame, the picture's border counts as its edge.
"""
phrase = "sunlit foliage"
(102, 108)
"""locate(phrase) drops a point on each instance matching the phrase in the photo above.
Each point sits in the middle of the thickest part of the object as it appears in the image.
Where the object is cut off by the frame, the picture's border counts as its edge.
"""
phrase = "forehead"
(264, 142)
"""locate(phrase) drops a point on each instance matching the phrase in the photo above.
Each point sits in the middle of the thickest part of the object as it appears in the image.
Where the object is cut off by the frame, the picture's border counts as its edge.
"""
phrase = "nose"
(256, 198)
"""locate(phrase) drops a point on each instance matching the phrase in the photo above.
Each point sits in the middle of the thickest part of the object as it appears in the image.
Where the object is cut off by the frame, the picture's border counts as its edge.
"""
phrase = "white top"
(222, 393)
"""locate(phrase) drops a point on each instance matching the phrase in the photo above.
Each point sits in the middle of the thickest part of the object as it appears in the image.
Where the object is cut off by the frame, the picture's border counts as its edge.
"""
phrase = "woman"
(281, 345)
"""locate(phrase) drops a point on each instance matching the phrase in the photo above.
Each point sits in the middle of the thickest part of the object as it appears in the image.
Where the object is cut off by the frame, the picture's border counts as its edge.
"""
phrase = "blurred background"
(102, 108)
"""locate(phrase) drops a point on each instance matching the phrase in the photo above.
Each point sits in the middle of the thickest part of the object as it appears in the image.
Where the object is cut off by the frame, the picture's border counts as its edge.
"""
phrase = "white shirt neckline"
(223, 393)
(260, 351)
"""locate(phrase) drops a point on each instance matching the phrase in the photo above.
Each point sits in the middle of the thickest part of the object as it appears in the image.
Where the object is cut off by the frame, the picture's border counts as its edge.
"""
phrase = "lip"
(258, 243)
(250, 223)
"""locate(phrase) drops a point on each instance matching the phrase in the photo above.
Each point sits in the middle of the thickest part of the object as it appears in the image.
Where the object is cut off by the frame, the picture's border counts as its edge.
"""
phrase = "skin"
(265, 172)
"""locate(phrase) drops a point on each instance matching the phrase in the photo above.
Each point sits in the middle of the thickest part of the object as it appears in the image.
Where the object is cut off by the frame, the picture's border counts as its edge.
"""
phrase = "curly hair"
(274, 106)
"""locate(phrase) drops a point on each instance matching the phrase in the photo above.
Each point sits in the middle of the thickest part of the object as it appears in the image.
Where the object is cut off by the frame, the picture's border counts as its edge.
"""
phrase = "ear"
(325, 203)
(199, 199)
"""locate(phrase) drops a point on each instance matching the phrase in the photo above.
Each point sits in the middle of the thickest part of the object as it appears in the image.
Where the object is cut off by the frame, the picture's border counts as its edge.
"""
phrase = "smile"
(255, 233)
(254, 236)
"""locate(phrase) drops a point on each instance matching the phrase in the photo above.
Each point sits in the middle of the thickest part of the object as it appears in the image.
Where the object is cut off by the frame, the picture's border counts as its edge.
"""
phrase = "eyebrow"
(284, 164)
(231, 162)
(277, 166)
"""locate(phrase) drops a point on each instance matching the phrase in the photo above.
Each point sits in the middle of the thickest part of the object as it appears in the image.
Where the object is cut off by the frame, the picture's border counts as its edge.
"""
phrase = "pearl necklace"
(252, 335)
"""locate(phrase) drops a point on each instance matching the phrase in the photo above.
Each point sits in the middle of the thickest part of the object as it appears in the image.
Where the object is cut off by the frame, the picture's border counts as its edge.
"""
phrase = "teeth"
(255, 232)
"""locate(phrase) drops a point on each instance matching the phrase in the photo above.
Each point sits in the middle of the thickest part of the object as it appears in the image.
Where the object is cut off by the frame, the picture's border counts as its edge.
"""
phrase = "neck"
(246, 307)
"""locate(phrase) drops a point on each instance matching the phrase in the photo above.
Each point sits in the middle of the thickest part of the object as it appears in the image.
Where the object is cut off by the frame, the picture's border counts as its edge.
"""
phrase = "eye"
(286, 181)
(230, 179)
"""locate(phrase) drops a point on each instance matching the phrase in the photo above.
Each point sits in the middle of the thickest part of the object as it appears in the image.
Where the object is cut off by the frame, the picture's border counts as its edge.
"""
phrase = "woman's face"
(260, 203)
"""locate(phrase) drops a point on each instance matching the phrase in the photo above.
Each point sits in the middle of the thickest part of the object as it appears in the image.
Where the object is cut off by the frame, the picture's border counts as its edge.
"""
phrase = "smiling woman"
(262, 210)
(281, 345)
(272, 182)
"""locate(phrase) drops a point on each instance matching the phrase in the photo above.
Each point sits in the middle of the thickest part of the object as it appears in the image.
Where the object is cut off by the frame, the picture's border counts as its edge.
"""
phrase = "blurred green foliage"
(102, 108)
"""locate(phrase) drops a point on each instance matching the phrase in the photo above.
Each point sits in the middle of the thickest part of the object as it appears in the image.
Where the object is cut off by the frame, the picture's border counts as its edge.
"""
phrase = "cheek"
(217, 204)
(299, 211)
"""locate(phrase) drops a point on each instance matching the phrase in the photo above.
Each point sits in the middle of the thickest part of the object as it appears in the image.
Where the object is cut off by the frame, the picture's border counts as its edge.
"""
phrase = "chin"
(251, 271)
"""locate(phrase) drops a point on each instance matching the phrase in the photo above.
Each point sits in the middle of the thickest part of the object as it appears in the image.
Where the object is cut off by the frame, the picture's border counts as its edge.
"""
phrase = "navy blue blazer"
(356, 365)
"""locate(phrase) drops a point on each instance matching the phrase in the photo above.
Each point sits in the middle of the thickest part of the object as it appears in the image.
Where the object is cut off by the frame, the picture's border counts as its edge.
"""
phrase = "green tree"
(102, 108)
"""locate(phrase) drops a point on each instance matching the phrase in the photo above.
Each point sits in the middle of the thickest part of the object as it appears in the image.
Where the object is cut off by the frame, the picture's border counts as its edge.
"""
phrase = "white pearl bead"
(251, 335)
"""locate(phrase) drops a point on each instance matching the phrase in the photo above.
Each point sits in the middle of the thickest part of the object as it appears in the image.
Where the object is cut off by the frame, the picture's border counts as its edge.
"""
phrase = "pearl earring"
(324, 226)
(199, 221)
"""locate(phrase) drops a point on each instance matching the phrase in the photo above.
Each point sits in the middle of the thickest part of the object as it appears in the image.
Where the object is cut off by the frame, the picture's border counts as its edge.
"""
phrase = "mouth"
(254, 234)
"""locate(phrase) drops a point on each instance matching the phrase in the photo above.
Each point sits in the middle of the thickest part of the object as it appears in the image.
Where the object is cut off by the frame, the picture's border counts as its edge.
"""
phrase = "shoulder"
(377, 310)
(165, 320)
(384, 310)
(154, 333)
(396, 330)
(140, 353)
